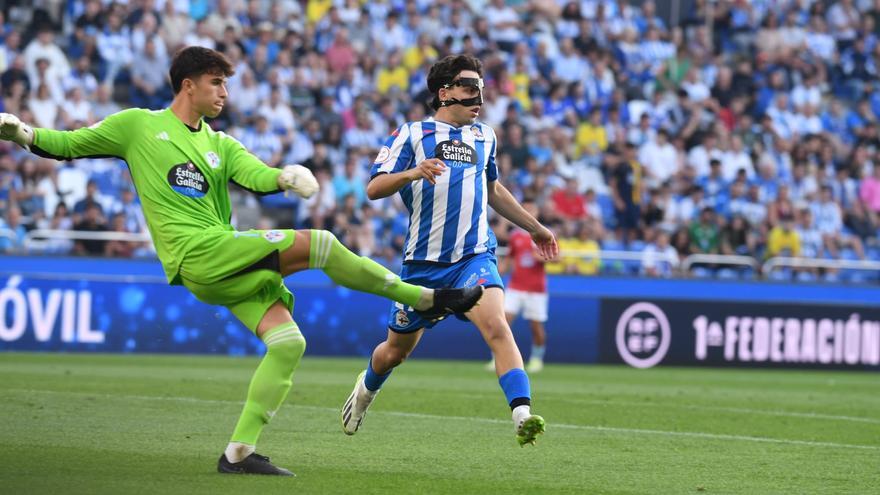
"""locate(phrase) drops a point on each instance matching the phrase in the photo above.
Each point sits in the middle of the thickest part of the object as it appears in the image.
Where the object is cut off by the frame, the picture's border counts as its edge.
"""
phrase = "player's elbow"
(375, 190)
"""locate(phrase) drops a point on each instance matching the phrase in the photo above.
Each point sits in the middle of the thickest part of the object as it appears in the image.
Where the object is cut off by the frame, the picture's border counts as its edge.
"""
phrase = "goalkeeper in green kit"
(180, 168)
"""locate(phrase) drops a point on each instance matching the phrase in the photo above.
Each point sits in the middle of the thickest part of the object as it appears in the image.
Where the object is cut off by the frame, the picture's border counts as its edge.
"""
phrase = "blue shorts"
(480, 269)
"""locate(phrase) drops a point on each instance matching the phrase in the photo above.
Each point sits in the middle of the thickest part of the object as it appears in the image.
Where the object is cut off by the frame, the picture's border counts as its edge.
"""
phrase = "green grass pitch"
(97, 424)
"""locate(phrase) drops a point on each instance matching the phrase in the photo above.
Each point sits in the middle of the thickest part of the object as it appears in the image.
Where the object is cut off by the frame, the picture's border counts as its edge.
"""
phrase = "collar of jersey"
(432, 119)
(184, 124)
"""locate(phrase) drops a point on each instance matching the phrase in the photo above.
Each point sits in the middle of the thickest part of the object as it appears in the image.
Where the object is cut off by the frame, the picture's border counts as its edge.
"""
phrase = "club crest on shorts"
(274, 236)
(213, 159)
(401, 319)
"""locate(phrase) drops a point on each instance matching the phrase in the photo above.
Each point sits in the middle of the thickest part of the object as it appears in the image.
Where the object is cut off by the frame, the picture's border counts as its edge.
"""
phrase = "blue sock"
(515, 384)
(537, 352)
(373, 380)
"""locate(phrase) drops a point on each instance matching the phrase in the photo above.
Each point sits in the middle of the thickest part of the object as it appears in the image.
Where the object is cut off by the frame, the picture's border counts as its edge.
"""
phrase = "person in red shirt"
(526, 292)
(568, 203)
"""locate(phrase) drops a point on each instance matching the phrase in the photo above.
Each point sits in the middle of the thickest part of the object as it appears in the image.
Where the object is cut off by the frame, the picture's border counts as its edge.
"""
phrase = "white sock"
(427, 299)
(520, 413)
(237, 451)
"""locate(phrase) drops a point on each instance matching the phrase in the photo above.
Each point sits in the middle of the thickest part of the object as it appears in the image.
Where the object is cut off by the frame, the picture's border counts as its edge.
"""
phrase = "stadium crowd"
(749, 128)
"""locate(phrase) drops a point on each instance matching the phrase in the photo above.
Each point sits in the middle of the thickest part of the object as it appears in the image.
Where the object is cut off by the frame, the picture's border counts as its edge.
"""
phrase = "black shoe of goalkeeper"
(252, 464)
(452, 301)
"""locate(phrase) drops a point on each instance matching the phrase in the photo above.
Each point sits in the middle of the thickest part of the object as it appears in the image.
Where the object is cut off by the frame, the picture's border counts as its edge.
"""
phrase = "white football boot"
(355, 407)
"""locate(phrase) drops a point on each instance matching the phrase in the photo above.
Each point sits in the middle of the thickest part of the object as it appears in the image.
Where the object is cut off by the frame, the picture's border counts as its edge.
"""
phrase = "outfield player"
(527, 291)
(444, 169)
(181, 168)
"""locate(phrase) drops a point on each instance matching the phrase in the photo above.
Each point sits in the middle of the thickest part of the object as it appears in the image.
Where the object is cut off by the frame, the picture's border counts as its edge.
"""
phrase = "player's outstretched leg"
(269, 387)
(363, 274)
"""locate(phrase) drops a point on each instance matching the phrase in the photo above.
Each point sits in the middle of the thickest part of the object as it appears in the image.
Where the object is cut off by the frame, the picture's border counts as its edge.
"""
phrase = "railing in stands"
(719, 259)
(787, 262)
(38, 238)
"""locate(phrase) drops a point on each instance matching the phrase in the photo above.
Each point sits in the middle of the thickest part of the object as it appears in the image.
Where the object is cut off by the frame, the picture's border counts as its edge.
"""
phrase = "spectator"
(92, 222)
(12, 232)
(44, 48)
(578, 250)
(660, 259)
(783, 239)
(114, 46)
(262, 142)
(568, 203)
(659, 158)
(350, 183)
(737, 238)
(118, 248)
(44, 107)
(704, 235)
(625, 182)
(149, 87)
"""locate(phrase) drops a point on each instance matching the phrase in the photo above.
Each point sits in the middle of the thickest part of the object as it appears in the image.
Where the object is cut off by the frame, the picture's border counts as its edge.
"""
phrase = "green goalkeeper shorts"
(239, 270)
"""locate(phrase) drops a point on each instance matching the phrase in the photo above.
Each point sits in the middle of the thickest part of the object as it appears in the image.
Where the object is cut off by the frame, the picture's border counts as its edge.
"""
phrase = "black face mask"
(470, 82)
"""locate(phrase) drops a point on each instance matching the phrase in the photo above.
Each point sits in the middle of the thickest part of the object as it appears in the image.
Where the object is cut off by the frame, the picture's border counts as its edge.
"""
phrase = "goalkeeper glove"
(298, 179)
(12, 129)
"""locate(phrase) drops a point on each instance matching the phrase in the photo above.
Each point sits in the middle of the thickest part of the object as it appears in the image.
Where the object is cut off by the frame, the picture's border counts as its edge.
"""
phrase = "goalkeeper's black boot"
(252, 464)
(452, 301)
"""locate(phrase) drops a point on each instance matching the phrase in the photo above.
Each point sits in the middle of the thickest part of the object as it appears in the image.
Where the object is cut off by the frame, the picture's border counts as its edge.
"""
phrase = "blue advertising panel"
(107, 313)
(104, 305)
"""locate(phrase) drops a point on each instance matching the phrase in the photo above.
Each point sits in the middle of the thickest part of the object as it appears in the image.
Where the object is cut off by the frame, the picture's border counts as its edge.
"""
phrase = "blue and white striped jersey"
(447, 221)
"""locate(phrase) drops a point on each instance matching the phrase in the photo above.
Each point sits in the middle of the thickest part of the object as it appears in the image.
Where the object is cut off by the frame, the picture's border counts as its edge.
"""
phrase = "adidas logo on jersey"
(163, 136)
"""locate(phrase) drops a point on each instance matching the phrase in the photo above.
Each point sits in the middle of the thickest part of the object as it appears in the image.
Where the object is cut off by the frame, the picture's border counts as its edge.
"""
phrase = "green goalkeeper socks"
(359, 272)
(271, 382)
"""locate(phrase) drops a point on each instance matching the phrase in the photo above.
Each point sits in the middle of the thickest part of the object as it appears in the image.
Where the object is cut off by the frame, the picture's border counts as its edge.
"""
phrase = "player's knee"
(325, 237)
(396, 356)
(496, 329)
(291, 350)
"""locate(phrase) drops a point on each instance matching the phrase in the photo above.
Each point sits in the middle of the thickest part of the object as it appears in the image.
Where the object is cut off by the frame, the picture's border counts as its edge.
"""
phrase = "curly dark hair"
(445, 70)
(193, 61)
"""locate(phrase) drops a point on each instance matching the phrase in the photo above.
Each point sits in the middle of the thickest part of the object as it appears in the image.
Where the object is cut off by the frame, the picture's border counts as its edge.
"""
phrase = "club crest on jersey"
(384, 155)
(187, 179)
(213, 159)
(456, 153)
(478, 134)
(274, 236)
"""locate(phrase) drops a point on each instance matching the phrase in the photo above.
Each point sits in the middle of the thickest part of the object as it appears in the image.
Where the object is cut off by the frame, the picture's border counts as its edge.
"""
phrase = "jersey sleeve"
(397, 154)
(245, 169)
(491, 167)
(107, 138)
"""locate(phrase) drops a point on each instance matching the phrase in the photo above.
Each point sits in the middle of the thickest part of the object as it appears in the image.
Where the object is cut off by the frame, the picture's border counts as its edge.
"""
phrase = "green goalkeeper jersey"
(180, 174)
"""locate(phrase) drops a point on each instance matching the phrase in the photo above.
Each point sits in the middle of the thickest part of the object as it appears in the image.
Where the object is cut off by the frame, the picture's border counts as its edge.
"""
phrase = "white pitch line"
(766, 412)
(697, 407)
(609, 429)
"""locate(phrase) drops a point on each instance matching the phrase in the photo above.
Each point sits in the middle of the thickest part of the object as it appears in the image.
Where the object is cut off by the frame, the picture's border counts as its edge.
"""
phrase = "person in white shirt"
(735, 159)
(76, 110)
(114, 46)
(279, 115)
(699, 157)
(693, 84)
(829, 222)
(659, 157)
(44, 47)
(659, 259)
(504, 23)
(807, 93)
